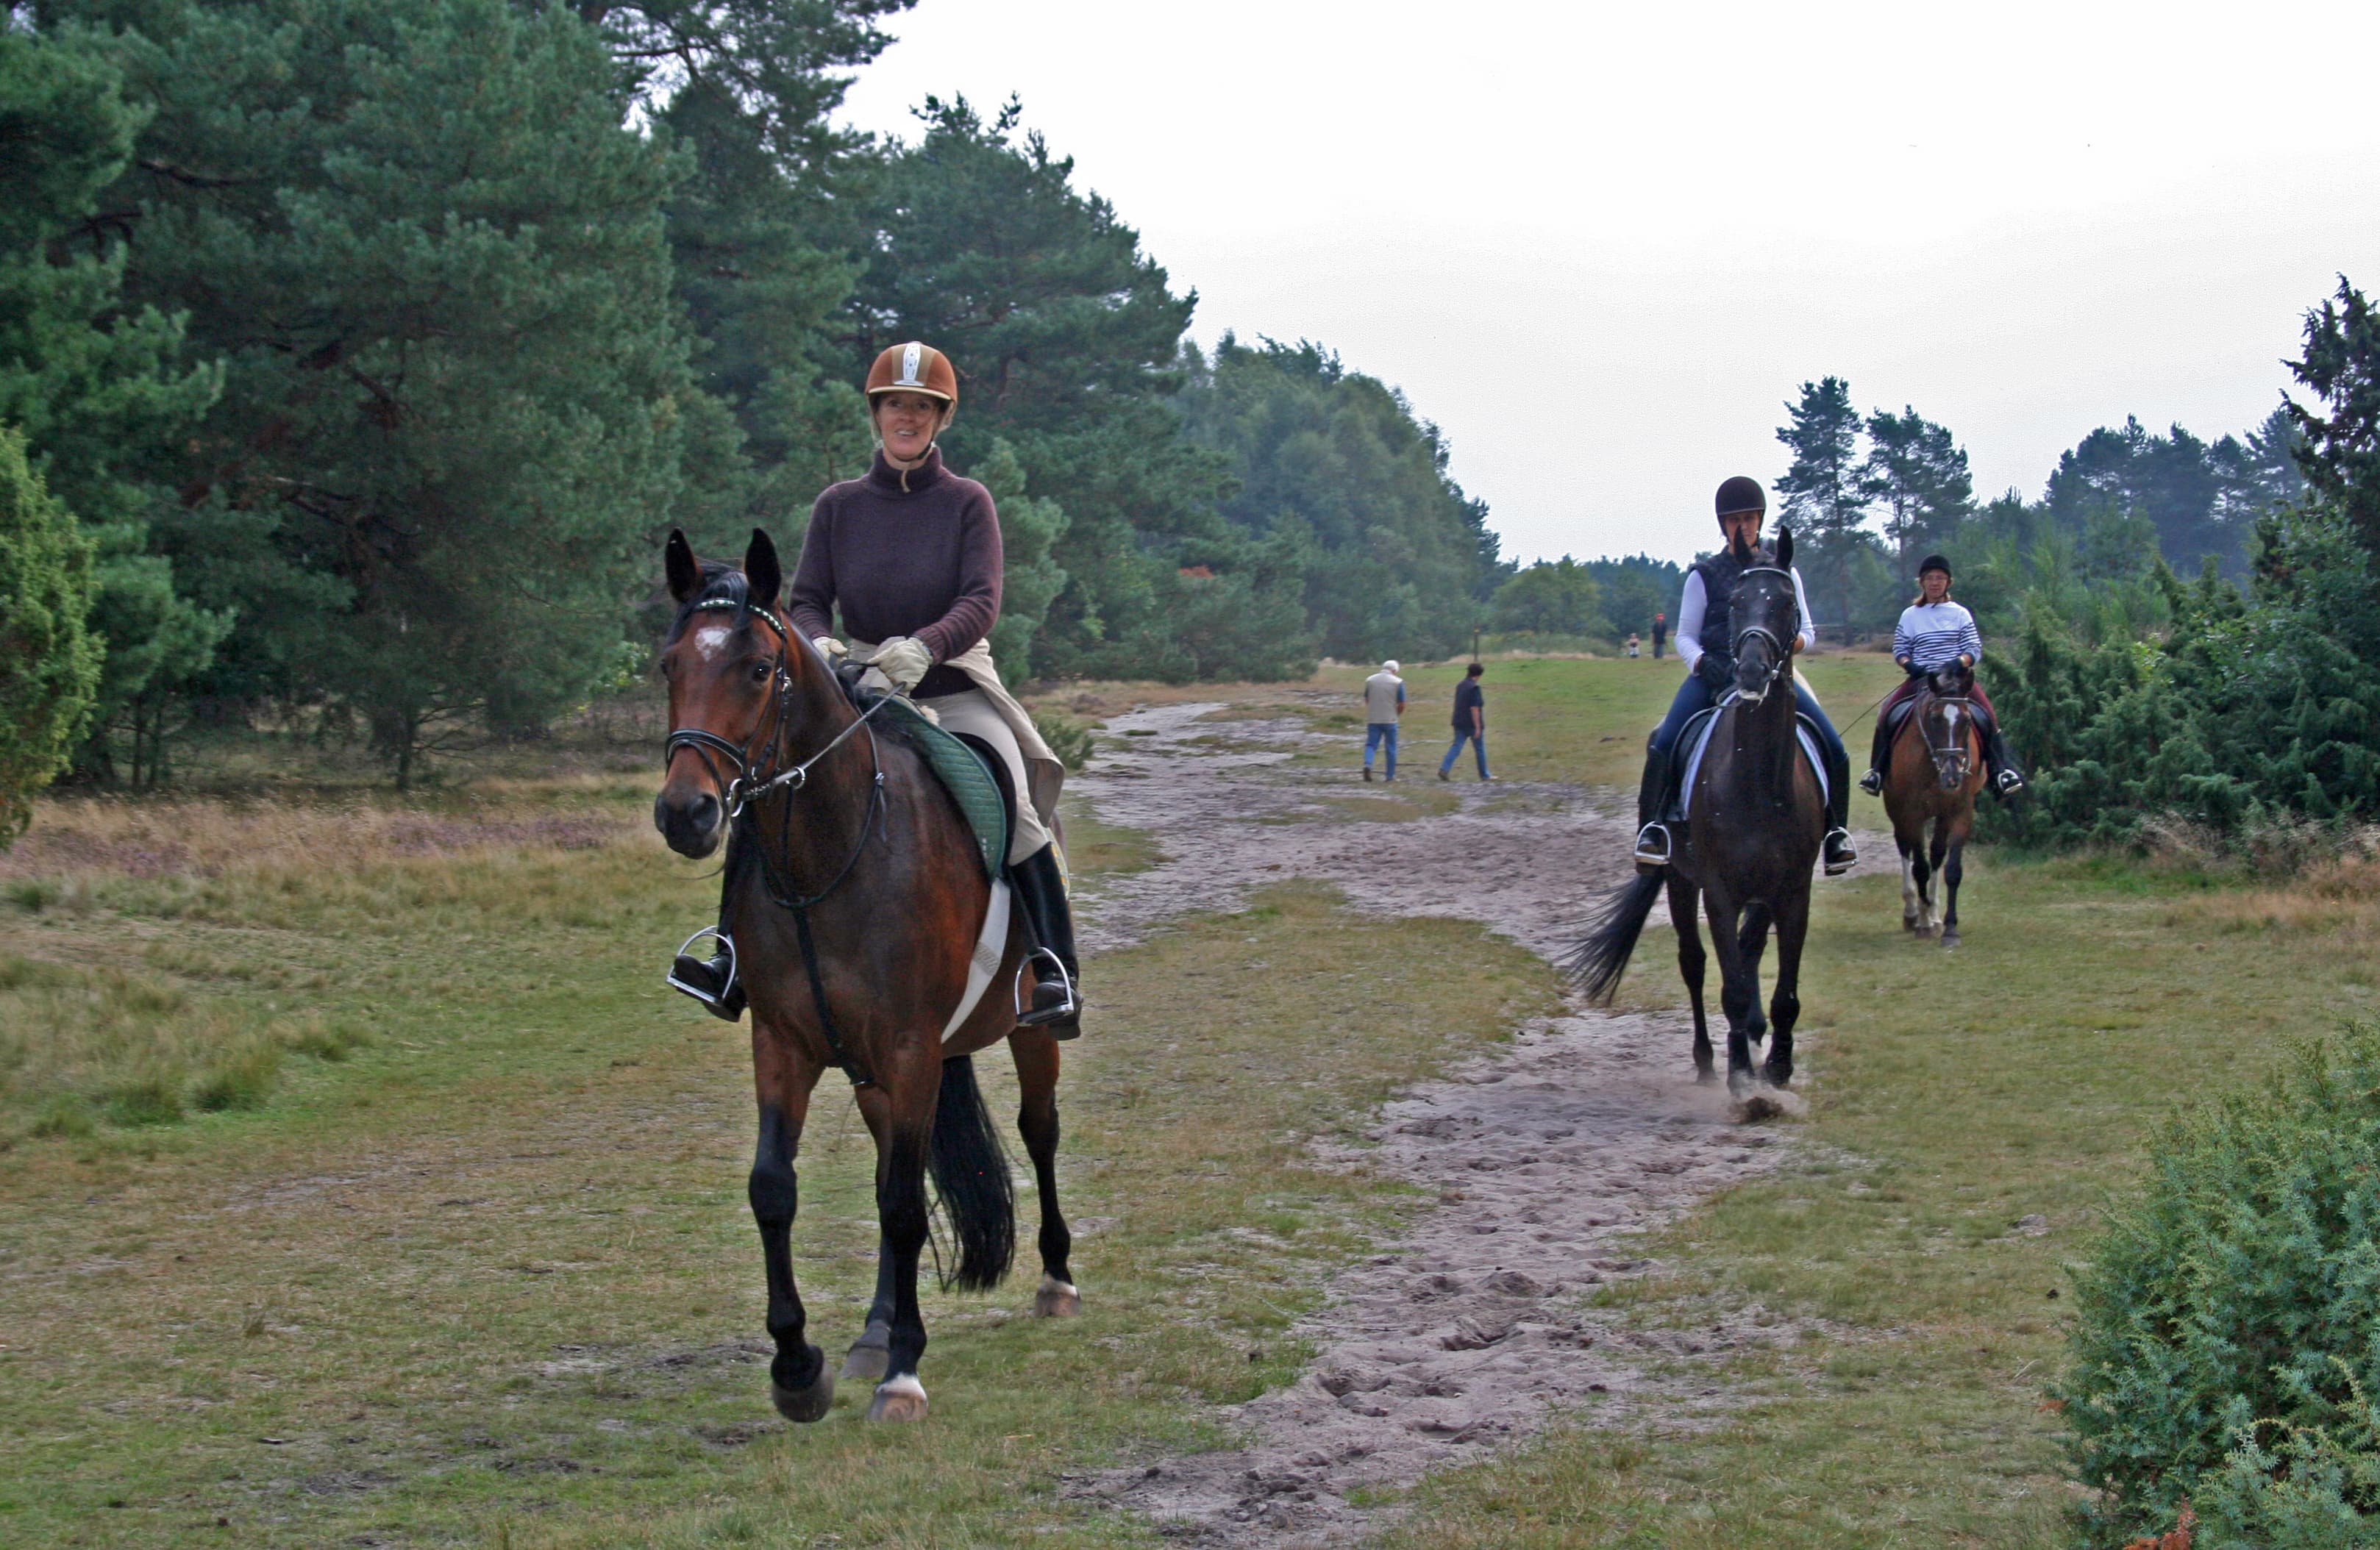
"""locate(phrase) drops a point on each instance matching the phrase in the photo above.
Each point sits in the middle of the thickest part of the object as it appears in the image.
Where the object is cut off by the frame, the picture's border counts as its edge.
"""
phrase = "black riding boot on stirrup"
(1840, 856)
(713, 981)
(1041, 892)
(2003, 776)
(1653, 847)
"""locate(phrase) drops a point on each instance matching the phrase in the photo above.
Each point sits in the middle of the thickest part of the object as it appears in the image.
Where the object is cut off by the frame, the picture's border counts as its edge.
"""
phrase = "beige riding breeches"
(970, 714)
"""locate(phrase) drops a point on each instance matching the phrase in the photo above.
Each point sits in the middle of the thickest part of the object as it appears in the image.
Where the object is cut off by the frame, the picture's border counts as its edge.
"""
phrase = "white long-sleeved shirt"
(1932, 634)
(1693, 604)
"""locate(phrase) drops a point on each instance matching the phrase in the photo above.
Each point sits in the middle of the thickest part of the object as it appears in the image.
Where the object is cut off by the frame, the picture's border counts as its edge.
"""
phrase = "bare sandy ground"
(1548, 1157)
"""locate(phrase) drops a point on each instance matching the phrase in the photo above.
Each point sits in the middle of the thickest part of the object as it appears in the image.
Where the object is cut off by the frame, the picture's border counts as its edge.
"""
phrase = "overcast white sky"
(1600, 246)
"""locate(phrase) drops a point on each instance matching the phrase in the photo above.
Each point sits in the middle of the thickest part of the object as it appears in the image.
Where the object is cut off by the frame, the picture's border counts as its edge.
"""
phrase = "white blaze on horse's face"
(711, 641)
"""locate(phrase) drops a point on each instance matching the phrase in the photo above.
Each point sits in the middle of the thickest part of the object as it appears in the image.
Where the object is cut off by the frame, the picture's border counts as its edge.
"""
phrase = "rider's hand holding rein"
(903, 661)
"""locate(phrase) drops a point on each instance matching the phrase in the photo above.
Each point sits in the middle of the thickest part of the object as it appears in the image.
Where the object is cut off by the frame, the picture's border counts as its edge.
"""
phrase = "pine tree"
(1919, 475)
(49, 665)
(433, 262)
(1824, 502)
(2341, 450)
(95, 384)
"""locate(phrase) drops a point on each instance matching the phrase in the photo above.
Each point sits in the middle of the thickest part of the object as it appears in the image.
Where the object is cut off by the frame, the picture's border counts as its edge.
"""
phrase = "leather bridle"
(1783, 658)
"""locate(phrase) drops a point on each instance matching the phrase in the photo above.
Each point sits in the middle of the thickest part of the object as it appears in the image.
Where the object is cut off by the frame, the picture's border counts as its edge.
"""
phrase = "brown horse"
(855, 897)
(1757, 817)
(1936, 769)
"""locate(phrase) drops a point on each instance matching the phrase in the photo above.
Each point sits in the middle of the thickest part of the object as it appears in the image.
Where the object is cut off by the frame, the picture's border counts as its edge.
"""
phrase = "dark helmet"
(1740, 494)
(1934, 563)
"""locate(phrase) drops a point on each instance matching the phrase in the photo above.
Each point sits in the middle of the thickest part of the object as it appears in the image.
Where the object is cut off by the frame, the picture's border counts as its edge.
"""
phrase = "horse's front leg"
(1785, 1006)
(1737, 990)
(799, 1381)
(1910, 860)
(900, 1113)
(1690, 960)
(1942, 828)
(1035, 1054)
(1952, 870)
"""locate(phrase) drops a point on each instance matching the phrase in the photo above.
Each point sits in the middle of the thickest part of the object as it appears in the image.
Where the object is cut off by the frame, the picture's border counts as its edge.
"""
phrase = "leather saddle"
(975, 777)
(1687, 753)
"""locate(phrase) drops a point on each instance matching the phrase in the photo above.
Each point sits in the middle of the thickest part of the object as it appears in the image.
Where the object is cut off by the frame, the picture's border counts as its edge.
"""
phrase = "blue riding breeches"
(1694, 695)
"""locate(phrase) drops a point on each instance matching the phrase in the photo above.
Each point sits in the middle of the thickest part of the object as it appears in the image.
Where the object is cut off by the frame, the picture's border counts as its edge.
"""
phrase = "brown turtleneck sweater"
(922, 561)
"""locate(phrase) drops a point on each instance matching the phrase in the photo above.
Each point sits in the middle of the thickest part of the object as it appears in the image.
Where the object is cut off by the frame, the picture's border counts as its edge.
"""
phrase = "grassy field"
(360, 1184)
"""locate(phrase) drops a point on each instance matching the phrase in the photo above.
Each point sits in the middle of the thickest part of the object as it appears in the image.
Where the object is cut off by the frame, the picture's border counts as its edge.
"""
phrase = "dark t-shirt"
(1467, 696)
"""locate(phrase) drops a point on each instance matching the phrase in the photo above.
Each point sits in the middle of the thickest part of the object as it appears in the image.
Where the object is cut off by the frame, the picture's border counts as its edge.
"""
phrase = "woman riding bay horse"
(1933, 632)
(911, 554)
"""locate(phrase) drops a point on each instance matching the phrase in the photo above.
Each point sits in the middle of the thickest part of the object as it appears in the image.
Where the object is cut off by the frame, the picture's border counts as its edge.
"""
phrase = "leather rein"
(754, 779)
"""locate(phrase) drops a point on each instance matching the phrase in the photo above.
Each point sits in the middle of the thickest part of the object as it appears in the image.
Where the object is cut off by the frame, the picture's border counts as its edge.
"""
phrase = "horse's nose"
(691, 826)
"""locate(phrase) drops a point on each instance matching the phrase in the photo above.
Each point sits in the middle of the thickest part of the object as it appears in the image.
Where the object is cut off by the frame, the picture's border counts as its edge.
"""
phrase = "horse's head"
(725, 662)
(1948, 721)
(1767, 619)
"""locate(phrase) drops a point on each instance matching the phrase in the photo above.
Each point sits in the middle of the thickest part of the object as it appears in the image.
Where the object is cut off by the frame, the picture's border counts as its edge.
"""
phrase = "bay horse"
(1755, 816)
(855, 894)
(1934, 771)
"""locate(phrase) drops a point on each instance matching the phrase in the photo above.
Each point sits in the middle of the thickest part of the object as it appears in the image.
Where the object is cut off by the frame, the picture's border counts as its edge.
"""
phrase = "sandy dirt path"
(1548, 1157)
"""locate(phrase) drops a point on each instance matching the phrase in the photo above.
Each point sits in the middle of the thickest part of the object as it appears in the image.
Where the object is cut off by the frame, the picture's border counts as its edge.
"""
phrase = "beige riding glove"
(829, 648)
(903, 661)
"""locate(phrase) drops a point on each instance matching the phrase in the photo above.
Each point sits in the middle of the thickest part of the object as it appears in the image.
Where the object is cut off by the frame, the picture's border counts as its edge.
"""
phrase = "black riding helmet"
(1740, 494)
(1934, 563)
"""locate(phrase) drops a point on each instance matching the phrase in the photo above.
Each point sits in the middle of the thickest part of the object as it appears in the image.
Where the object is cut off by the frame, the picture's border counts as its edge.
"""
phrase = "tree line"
(2177, 628)
(354, 356)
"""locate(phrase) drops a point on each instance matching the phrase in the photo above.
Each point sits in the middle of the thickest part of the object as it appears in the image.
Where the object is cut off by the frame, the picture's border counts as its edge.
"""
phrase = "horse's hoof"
(901, 1399)
(1777, 1075)
(807, 1404)
(1056, 1299)
(1740, 1084)
(1704, 1076)
(1950, 939)
(1907, 924)
(870, 1355)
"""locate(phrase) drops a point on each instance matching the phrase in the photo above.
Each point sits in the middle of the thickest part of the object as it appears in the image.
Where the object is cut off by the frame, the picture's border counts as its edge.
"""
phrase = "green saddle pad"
(965, 776)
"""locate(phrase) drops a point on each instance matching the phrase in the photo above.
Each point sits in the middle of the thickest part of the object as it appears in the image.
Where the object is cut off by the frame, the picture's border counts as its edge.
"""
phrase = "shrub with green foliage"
(2251, 707)
(2229, 1327)
(49, 666)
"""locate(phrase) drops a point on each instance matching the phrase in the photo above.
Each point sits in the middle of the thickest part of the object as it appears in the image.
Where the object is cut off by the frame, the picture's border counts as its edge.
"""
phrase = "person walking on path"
(1660, 634)
(1706, 644)
(1384, 707)
(1471, 721)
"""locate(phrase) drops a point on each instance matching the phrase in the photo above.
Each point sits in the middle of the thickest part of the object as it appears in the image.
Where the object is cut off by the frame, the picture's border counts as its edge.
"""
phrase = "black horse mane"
(721, 583)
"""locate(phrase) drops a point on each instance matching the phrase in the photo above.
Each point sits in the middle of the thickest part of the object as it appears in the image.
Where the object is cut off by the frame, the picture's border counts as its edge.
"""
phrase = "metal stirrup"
(724, 940)
(1017, 985)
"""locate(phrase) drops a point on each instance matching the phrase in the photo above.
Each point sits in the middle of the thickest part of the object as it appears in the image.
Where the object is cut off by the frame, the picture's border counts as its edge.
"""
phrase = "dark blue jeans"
(1478, 747)
(1381, 735)
(1694, 695)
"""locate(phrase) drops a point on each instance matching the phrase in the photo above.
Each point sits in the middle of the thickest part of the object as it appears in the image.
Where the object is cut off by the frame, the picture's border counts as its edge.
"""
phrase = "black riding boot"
(1839, 856)
(2002, 777)
(713, 981)
(1653, 847)
(1041, 892)
(1879, 758)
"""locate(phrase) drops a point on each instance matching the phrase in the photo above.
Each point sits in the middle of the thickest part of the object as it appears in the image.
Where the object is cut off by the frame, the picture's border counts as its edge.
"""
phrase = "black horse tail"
(1596, 963)
(970, 1169)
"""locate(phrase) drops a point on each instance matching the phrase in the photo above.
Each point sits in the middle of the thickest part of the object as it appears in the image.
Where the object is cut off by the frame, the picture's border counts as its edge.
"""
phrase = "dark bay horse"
(1935, 771)
(1755, 819)
(855, 897)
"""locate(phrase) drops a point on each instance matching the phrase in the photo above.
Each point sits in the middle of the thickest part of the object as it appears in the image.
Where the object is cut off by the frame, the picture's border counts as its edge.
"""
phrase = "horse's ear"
(684, 570)
(1784, 549)
(762, 570)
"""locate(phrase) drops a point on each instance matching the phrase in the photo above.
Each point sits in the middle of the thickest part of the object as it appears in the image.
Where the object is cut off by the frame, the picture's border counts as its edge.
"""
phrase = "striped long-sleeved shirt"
(1931, 635)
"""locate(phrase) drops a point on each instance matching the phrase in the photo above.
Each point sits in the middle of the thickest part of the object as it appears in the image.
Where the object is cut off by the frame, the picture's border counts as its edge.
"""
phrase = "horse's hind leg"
(1036, 1053)
(1785, 1005)
(1690, 960)
(800, 1382)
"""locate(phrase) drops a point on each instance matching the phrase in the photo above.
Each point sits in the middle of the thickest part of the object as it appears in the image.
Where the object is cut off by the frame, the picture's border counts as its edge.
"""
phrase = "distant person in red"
(1660, 634)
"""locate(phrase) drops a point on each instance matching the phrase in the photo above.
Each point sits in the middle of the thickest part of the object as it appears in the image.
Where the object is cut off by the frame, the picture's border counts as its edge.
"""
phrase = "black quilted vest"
(1720, 572)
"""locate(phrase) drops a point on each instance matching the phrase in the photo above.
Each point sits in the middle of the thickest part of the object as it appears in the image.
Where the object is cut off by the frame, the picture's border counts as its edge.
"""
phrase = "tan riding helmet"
(914, 367)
